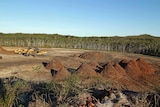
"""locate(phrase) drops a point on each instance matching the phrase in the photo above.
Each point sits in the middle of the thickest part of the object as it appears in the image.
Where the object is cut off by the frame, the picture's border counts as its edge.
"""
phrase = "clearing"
(125, 70)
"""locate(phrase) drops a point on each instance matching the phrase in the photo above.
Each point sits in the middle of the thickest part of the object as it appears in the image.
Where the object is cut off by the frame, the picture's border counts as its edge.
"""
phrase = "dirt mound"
(118, 76)
(60, 75)
(86, 73)
(123, 63)
(95, 65)
(58, 71)
(4, 51)
(93, 56)
(133, 68)
(145, 67)
(137, 67)
(86, 70)
(120, 69)
(55, 64)
(111, 71)
(127, 72)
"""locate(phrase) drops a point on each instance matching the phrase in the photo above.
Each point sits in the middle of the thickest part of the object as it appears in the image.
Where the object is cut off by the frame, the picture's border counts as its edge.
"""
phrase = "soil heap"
(87, 73)
(86, 70)
(4, 51)
(58, 71)
(132, 74)
(137, 67)
(113, 71)
(95, 65)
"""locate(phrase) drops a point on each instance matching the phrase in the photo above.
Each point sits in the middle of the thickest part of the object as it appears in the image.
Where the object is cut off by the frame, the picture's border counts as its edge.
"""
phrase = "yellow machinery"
(31, 51)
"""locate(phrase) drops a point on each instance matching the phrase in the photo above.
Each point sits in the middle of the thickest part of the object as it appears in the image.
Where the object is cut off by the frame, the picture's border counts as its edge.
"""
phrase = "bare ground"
(32, 68)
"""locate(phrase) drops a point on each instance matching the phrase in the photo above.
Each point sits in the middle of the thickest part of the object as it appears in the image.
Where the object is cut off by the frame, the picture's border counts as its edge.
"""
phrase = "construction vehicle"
(30, 51)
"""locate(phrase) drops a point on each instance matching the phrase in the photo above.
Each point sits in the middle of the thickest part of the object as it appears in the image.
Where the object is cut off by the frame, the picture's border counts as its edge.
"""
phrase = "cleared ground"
(32, 68)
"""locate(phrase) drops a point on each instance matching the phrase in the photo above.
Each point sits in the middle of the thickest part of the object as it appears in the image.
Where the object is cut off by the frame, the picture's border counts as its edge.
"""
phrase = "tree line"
(142, 44)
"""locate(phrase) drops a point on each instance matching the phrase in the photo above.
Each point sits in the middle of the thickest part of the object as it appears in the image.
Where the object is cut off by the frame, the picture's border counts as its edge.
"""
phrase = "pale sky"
(81, 17)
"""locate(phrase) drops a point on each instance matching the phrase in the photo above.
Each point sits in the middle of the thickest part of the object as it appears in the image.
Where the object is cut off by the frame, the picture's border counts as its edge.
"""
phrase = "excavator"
(30, 51)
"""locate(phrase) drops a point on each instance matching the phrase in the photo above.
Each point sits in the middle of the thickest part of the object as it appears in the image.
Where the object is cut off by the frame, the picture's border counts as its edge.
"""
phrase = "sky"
(81, 17)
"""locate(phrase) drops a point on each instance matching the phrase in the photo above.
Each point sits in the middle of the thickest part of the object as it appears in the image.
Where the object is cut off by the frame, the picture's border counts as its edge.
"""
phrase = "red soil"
(93, 56)
(58, 71)
(120, 70)
(145, 67)
(86, 70)
(109, 71)
(54, 64)
(137, 67)
(95, 65)
(132, 74)
(137, 74)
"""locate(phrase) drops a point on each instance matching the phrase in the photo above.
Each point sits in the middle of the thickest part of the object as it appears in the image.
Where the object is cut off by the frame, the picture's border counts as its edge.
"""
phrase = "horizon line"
(77, 35)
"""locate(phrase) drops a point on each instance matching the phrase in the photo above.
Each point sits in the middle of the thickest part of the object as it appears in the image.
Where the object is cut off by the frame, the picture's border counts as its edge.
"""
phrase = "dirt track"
(32, 69)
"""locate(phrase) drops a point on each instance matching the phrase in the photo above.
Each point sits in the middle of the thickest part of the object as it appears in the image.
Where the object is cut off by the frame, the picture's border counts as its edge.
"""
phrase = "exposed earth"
(124, 70)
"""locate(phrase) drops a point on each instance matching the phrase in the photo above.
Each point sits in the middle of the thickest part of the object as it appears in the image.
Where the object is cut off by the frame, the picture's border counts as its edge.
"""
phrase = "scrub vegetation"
(141, 44)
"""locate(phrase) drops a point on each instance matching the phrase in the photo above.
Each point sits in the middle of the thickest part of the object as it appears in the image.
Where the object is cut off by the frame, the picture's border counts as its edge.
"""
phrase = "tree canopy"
(143, 44)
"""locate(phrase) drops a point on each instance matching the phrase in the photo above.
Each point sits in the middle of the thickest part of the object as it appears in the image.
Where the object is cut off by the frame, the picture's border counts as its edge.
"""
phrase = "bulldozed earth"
(122, 71)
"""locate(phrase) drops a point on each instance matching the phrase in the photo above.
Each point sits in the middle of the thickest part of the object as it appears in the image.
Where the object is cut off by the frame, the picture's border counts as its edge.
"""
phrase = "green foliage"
(56, 93)
(73, 83)
(12, 89)
(143, 44)
(68, 93)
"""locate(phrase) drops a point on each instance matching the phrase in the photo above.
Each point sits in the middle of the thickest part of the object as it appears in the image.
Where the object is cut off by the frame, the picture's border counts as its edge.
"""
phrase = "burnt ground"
(140, 73)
